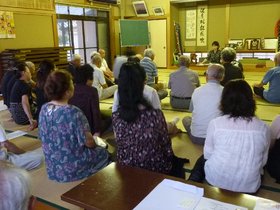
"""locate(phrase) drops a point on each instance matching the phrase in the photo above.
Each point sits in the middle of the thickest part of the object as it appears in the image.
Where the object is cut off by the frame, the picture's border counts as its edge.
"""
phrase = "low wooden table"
(119, 187)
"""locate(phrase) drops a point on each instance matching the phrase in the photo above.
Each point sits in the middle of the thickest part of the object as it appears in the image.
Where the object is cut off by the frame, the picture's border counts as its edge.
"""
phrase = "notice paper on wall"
(175, 195)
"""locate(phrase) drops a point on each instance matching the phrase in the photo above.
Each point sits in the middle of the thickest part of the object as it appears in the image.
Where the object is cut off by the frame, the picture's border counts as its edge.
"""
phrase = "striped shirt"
(150, 68)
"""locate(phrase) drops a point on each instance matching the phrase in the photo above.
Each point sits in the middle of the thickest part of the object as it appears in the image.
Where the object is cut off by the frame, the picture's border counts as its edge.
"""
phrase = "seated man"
(11, 153)
(152, 73)
(231, 71)
(86, 98)
(182, 84)
(108, 74)
(99, 80)
(74, 64)
(205, 104)
(272, 77)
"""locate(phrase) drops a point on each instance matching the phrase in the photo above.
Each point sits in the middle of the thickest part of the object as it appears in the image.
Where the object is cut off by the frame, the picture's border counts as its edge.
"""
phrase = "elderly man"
(232, 71)
(205, 104)
(74, 64)
(272, 77)
(182, 84)
(99, 80)
(108, 74)
(152, 73)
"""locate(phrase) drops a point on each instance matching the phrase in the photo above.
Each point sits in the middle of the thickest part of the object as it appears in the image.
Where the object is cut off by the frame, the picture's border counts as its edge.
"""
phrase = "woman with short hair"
(237, 143)
(68, 144)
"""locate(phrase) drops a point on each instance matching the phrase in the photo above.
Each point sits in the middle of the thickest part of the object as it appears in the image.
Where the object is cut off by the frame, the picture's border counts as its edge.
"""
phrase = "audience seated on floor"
(140, 130)
(236, 145)
(273, 166)
(99, 80)
(119, 61)
(86, 98)
(108, 74)
(45, 68)
(11, 153)
(68, 145)
(15, 188)
(152, 73)
(232, 71)
(21, 104)
(182, 84)
(205, 104)
(74, 64)
(272, 77)
(8, 78)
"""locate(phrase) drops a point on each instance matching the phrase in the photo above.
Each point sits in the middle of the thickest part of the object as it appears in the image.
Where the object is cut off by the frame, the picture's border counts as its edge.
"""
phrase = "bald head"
(215, 72)
(277, 59)
(184, 61)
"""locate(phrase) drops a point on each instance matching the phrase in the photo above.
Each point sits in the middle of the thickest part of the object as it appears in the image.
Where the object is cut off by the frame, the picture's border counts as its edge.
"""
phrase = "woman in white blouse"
(237, 143)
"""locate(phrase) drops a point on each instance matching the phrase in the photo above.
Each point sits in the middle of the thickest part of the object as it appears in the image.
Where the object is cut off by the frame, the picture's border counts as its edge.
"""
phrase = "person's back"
(86, 98)
(241, 148)
(144, 143)
(150, 69)
(231, 72)
(205, 102)
(119, 61)
(273, 78)
(10, 85)
(4, 86)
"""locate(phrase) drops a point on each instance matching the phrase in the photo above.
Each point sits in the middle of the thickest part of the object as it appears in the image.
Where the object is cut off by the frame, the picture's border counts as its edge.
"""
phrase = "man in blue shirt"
(272, 77)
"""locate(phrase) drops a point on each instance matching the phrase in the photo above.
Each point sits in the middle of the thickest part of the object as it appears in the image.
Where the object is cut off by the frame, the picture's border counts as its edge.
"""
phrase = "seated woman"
(140, 130)
(67, 142)
(86, 98)
(237, 143)
(45, 68)
(20, 98)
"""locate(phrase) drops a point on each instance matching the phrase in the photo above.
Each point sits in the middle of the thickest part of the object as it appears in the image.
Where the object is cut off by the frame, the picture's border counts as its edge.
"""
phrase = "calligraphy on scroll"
(202, 18)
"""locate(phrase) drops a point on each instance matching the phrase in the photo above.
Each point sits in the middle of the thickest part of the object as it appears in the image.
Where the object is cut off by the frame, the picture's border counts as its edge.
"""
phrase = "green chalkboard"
(134, 33)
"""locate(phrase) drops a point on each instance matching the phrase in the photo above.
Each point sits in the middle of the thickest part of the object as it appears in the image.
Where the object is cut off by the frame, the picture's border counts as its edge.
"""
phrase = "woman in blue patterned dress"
(68, 145)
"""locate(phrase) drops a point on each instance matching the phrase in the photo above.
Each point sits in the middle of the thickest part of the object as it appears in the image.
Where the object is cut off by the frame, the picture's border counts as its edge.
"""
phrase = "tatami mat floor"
(182, 146)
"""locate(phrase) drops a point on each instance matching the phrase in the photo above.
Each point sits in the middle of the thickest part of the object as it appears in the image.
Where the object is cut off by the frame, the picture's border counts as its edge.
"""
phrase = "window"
(78, 27)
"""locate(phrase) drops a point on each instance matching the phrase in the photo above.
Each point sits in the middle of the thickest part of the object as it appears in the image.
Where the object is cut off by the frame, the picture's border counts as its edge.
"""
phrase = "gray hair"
(215, 71)
(14, 187)
(277, 58)
(149, 53)
(96, 59)
(228, 54)
(92, 54)
(184, 61)
(30, 65)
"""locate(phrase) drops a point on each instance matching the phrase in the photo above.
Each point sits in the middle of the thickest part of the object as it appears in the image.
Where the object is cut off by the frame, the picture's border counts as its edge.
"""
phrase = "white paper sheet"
(15, 134)
(210, 204)
(171, 195)
(264, 204)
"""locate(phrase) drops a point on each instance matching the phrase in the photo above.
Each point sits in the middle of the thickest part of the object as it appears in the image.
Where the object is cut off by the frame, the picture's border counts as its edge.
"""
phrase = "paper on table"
(171, 195)
(264, 204)
(15, 134)
(206, 204)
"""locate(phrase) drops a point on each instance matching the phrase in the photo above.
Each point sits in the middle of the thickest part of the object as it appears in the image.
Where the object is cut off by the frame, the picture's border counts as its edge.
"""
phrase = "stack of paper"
(263, 204)
(173, 195)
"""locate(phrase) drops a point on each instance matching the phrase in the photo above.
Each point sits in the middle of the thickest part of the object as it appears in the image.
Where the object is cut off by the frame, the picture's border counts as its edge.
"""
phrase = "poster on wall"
(7, 25)
(191, 24)
(202, 30)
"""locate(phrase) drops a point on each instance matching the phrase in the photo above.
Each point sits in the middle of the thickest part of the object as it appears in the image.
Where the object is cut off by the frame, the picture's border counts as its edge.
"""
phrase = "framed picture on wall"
(237, 44)
(158, 11)
(140, 8)
(253, 43)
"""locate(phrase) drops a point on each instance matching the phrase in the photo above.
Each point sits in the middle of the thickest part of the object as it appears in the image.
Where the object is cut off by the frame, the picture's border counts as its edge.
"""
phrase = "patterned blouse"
(62, 131)
(214, 57)
(145, 142)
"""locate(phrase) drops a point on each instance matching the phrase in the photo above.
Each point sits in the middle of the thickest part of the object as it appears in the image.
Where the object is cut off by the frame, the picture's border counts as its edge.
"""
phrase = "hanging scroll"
(191, 24)
(202, 17)
(7, 25)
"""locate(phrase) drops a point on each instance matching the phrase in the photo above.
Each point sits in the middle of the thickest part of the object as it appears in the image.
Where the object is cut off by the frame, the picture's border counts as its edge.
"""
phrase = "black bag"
(273, 162)
(178, 167)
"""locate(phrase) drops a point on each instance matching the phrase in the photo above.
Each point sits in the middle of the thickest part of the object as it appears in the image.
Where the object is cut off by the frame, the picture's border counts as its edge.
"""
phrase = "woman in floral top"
(68, 145)
(141, 131)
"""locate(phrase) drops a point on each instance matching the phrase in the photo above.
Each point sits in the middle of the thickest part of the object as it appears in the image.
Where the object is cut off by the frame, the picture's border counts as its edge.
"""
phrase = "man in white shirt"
(205, 104)
(11, 153)
(99, 80)
(182, 84)
(108, 74)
